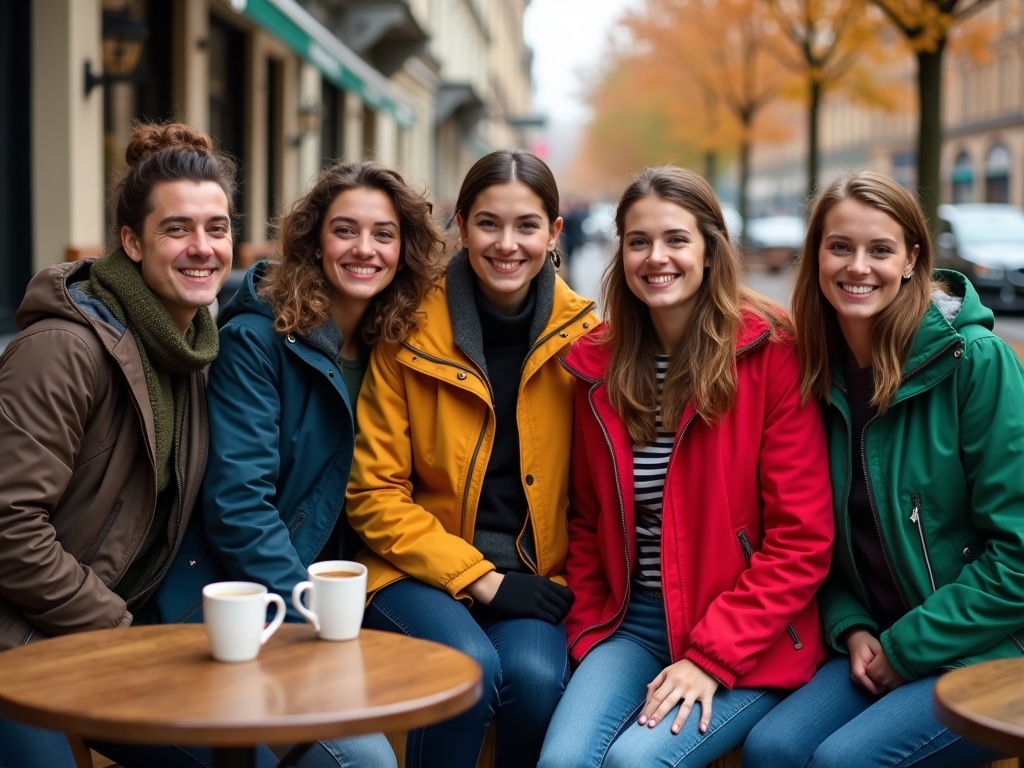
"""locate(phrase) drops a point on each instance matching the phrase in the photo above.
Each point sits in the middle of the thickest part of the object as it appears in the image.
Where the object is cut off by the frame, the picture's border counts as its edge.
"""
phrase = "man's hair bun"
(147, 139)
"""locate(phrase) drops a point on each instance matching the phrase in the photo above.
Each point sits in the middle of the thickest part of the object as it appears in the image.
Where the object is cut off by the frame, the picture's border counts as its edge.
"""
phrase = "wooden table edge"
(414, 713)
(977, 728)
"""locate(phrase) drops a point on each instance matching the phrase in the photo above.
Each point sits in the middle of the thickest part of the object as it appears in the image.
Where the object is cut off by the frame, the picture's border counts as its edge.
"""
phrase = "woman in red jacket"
(695, 548)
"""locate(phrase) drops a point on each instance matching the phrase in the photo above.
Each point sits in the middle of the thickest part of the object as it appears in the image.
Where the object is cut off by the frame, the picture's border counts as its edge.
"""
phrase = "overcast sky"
(568, 38)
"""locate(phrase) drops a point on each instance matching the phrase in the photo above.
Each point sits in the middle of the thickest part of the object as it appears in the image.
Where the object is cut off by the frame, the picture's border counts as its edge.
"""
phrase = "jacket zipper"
(679, 439)
(748, 554)
(915, 518)
(469, 473)
(483, 430)
(874, 515)
(615, 471)
(622, 512)
(540, 342)
(867, 477)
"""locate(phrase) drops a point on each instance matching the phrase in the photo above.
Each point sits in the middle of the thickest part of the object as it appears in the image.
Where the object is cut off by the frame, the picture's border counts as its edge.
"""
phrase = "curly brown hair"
(295, 286)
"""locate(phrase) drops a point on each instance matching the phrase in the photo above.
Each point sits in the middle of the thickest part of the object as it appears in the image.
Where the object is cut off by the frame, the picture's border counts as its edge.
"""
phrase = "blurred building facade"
(286, 86)
(983, 127)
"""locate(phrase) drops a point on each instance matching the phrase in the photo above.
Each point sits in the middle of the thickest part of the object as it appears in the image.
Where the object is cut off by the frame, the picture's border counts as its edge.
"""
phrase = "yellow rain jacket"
(426, 429)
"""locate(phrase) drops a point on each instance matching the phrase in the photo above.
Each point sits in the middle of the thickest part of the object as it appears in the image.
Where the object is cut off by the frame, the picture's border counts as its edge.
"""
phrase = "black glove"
(528, 596)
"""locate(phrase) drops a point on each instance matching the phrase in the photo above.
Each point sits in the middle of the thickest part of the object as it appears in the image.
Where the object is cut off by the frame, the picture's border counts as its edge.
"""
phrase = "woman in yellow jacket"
(459, 485)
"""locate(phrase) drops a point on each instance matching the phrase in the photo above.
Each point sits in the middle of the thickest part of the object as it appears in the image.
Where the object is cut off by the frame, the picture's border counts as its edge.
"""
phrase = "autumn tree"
(927, 24)
(712, 60)
(824, 45)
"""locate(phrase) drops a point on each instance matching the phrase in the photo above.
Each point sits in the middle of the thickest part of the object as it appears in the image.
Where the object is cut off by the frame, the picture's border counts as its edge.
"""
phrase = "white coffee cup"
(235, 615)
(337, 596)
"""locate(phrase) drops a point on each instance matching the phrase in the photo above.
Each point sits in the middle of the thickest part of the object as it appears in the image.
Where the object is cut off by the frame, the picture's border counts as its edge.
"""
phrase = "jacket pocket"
(296, 525)
(748, 553)
(101, 535)
(918, 522)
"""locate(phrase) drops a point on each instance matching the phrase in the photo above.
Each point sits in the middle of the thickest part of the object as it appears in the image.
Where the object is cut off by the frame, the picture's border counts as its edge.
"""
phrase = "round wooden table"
(985, 703)
(160, 685)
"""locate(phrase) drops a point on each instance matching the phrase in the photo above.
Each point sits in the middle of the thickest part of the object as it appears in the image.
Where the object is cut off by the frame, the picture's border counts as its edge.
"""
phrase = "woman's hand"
(682, 683)
(485, 588)
(883, 675)
(864, 648)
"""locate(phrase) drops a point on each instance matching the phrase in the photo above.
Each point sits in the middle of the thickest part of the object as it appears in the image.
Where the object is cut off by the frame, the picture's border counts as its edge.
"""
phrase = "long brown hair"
(821, 342)
(703, 367)
(296, 287)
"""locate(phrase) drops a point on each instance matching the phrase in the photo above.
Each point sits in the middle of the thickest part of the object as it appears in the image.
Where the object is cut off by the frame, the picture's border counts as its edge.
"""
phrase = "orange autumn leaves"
(689, 80)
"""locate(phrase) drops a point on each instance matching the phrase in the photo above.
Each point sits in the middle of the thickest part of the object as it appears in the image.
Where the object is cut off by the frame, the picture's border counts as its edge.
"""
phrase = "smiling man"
(103, 429)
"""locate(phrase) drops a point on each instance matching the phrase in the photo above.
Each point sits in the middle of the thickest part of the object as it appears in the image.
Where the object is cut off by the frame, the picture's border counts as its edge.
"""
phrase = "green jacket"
(945, 468)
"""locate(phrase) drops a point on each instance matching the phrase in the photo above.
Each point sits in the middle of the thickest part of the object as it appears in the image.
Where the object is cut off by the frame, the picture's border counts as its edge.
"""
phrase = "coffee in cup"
(235, 615)
(337, 595)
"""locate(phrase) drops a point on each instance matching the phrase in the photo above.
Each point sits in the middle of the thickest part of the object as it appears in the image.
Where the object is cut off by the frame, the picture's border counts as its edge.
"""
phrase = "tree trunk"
(710, 166)
(813, 112)
(929, 137)
(744, 180)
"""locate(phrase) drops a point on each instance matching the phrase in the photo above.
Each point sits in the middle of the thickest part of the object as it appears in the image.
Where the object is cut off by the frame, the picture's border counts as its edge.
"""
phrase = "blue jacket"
(281, 441)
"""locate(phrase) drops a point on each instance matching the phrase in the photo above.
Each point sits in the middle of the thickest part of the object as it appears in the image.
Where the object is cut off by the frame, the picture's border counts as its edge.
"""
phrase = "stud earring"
(907, 275)
(319, 255)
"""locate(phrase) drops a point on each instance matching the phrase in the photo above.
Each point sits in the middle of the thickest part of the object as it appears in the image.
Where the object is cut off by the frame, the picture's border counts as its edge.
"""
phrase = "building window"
(997, 175)
(963, 179)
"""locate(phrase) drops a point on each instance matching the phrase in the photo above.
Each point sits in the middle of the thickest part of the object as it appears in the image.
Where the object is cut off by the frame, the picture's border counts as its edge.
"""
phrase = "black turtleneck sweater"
(502, 511)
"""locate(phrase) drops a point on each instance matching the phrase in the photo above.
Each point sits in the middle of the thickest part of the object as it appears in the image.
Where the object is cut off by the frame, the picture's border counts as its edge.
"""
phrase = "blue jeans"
(595, 723)
(833, 722)
(372, 751)
(525, 669)
(23, 746)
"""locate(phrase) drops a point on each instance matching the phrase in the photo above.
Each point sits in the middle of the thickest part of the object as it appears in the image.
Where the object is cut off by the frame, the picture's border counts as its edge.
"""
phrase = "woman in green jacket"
(925, 414)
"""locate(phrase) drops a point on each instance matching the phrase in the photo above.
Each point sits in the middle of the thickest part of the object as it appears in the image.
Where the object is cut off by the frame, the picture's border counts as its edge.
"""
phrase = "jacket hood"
(49, 294)
(590, 356)
(246, 298)
(450, 313)
(972, 311)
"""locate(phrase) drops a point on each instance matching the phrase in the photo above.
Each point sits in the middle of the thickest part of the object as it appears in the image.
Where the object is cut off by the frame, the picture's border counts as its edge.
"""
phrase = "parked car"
(599, 226)
(985, 241)
(733, 221)
(774, 241)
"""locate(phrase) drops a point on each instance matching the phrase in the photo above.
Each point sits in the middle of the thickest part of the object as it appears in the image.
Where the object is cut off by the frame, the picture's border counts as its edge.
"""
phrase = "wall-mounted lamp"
(310, 115)
(123, 37)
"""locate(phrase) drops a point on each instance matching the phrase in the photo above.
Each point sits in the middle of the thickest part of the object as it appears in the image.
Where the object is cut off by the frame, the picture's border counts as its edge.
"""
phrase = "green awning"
(293, 25)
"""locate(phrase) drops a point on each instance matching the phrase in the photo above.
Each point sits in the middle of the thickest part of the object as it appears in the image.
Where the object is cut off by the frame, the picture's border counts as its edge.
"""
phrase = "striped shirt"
(650, 464)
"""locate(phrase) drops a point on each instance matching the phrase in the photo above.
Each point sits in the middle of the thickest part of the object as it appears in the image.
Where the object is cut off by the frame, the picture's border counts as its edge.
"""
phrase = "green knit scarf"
(167, 356)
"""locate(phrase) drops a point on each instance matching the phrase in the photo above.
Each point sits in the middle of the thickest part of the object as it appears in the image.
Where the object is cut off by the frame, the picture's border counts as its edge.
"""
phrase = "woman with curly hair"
(358, 255)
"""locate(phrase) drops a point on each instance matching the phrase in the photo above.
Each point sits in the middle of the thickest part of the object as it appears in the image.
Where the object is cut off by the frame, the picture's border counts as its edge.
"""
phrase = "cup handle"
(312, 618)
(279, 613)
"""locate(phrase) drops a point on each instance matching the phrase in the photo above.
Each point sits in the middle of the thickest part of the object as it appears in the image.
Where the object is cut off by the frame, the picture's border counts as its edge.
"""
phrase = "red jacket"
(753, 487)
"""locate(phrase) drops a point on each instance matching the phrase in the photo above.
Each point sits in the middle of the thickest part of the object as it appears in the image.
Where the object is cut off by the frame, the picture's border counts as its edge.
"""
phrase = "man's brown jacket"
(77, 473)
